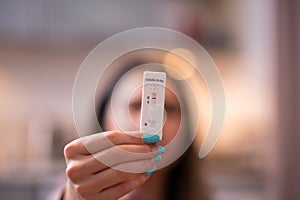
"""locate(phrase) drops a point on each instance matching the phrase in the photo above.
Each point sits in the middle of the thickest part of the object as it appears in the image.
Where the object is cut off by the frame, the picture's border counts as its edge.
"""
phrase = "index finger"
(101, 141)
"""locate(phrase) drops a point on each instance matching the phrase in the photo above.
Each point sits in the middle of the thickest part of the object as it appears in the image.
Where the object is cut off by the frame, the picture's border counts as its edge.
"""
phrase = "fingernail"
(150, 138)
(156, 158)
(150, 171)
(161, 150)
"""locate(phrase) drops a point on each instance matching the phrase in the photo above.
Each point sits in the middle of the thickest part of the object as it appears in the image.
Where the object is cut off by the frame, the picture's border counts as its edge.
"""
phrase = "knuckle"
(80, 189)
(69, 150)
(72, 171)
(114, 137)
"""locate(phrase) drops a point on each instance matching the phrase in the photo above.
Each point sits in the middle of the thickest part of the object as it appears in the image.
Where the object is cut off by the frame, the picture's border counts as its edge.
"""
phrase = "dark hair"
(184, 179)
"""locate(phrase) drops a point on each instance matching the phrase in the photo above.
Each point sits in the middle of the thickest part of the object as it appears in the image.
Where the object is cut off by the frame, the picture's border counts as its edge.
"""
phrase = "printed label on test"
(153, 98)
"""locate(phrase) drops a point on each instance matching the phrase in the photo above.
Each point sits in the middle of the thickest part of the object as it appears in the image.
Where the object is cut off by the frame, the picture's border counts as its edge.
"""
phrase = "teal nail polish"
(157, 158)
(150, 138)
(150, 171)
(161, 150)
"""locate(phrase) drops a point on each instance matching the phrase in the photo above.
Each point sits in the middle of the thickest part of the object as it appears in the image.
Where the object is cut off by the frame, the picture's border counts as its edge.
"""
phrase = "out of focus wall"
(43, 42)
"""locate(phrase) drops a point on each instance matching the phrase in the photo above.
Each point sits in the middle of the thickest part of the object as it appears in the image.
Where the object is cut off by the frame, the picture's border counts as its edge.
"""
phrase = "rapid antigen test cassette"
(153, 98)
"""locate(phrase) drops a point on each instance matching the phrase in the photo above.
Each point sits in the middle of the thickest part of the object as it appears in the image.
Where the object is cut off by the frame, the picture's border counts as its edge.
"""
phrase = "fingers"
(114, 192)
(109, 165)
(101, 141)
(126, 153)
(110, 155)
(139, 166)
(104, 181)
(111, 158)
(123, 188)
(111, 177)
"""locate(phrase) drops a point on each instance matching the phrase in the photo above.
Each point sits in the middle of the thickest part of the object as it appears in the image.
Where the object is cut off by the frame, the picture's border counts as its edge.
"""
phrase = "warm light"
(179, 63)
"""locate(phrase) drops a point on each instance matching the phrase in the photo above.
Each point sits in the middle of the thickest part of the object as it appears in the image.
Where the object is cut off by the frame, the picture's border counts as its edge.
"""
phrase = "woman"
(94, 173)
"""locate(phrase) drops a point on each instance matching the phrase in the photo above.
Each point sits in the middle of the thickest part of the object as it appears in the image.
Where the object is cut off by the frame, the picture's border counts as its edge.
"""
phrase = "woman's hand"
(109, 165)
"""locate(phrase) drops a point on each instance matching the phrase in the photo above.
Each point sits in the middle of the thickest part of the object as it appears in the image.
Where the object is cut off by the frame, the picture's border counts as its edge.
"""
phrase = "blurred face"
(125, 108)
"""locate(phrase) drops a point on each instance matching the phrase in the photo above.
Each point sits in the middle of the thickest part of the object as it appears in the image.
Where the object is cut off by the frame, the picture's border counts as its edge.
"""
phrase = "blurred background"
(255, 44)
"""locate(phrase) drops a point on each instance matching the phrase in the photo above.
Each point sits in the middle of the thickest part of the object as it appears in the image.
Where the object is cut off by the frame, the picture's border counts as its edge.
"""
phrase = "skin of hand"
(90, 179)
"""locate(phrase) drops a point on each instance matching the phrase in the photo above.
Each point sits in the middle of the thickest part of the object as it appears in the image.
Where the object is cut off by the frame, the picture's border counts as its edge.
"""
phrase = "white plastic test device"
(153, 98)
